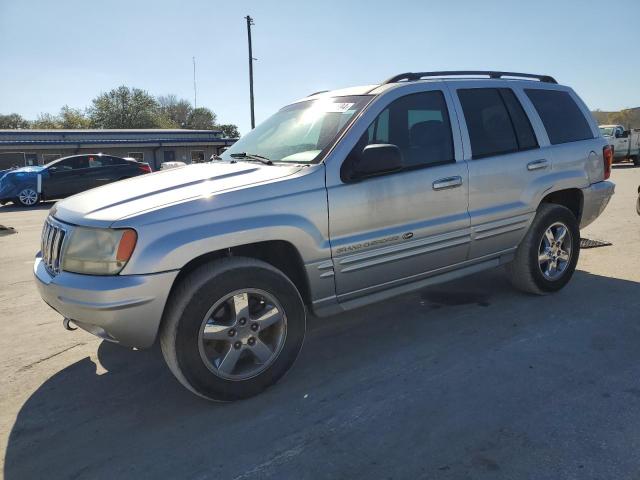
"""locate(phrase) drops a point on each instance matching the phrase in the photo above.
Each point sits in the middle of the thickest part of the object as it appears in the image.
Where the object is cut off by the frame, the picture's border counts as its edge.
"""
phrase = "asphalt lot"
(470, 379)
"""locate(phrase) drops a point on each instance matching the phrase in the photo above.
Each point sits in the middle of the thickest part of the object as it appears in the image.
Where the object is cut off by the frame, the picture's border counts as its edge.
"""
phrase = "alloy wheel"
(28, 197)
(554, 252)
(242, 334)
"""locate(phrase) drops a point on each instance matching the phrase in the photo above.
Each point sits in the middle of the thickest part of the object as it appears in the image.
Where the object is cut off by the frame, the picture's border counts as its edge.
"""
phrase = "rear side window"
(524, 131)
(560, 115)
(118, 161)
(490, 128)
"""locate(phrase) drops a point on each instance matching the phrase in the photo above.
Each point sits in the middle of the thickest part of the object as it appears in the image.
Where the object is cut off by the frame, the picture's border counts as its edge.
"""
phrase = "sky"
(66, 52)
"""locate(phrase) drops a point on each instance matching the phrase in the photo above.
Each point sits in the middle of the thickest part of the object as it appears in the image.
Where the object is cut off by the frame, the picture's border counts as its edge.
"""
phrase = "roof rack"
(412, 76)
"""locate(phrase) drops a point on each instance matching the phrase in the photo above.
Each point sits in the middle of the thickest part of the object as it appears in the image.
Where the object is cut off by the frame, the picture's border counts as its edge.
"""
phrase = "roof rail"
(316, 93)
(412, 76)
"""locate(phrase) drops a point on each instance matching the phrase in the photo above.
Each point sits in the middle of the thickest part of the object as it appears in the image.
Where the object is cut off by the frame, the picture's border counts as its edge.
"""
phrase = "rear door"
(105, 169)
(506, 164)
(399, 227)
(100, 171)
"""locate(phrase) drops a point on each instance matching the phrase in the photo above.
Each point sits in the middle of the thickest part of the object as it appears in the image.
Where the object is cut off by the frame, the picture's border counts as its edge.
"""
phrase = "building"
(154, 146)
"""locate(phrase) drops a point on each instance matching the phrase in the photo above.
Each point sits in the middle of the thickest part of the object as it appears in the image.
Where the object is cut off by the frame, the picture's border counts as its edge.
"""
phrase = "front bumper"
(595, 199)
(125, 309)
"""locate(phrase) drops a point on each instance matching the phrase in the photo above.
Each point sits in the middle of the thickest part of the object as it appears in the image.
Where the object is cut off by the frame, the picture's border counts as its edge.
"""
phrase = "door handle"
(537, 165)
(448, 182)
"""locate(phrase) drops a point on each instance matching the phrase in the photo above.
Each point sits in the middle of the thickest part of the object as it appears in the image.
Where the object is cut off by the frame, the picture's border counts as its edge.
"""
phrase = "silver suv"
(338, 200)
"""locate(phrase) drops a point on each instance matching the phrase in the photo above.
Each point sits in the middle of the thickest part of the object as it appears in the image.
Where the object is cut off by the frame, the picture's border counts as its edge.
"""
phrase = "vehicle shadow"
(461, 379)
(14, 208)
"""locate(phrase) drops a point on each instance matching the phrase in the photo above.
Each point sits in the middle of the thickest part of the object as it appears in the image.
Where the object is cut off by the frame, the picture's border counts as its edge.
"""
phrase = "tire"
(206, 302)
(27, 197)
(636, 160)
(526, 272)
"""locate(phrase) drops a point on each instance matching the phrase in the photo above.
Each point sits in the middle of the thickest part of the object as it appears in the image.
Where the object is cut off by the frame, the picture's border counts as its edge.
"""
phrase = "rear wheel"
(232, 328)
(636, 160)
(547, 256)
(28, 197)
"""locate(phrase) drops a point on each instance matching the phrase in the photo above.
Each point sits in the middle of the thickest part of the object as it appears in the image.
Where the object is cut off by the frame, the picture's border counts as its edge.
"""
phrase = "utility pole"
(249, 23)
(195, 91)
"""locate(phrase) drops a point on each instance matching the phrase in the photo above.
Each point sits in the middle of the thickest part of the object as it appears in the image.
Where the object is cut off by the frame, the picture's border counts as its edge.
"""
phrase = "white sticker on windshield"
(337, 107)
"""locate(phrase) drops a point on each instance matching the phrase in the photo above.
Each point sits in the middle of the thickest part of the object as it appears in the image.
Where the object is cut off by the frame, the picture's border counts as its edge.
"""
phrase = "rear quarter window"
(562, 118)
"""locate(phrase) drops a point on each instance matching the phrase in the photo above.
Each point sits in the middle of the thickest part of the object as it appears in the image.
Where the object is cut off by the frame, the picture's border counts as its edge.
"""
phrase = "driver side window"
(418, 124)
(64, 165)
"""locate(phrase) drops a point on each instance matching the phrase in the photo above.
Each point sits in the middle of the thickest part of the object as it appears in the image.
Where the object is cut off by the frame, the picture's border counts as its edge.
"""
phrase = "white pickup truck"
(626, 143)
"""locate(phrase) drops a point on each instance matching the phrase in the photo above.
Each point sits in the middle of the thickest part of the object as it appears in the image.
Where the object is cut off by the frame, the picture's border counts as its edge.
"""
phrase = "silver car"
(338, 200)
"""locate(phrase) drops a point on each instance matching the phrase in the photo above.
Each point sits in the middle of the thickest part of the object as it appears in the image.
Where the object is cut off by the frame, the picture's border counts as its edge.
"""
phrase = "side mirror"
(378, 159)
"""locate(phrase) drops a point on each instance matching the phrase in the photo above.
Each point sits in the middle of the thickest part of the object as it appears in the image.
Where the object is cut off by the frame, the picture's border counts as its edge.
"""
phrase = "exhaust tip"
(66, 323)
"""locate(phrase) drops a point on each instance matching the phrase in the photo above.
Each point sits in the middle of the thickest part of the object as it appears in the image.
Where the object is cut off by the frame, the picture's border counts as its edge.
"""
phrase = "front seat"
(429, 142)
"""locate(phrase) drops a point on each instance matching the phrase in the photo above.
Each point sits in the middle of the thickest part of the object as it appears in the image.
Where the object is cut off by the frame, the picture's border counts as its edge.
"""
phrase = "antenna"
(195, 90)
(251, 59)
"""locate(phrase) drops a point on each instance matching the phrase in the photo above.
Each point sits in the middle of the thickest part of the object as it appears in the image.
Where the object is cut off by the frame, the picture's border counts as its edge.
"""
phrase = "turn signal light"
(607, 156)
(126, 246)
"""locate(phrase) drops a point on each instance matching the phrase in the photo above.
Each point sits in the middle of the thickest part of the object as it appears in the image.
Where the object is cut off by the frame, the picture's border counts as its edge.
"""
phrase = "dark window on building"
(197, 156)
(488, 122)
(418, 125)
(169, 155)
(49, 157)
(30, 159)
(138, 156)
(562, 119)
(524, 132)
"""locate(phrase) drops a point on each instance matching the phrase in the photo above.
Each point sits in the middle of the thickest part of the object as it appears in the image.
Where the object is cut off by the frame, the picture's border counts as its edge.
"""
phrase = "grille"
(52, 239)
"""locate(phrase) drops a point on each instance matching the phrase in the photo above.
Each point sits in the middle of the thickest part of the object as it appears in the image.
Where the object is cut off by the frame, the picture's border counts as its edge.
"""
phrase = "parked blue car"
(64, 177)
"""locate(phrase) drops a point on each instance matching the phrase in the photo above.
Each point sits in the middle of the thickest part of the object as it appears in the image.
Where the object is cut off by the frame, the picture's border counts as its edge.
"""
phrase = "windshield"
(607, 131)
(298, 133)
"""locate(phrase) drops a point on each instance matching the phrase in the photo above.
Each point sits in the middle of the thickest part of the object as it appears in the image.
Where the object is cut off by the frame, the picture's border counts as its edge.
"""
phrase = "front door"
(397, 228)
(66, 177)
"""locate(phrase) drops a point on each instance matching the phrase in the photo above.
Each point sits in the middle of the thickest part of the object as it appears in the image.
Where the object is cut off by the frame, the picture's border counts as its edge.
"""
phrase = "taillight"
(607, 156)
(144, 168)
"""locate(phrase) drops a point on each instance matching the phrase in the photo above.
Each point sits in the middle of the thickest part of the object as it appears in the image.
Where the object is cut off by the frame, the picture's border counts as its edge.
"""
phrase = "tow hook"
(66, 323)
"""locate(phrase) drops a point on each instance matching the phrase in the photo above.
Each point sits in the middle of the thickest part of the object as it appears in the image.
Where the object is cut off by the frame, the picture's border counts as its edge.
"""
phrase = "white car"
(168, 165)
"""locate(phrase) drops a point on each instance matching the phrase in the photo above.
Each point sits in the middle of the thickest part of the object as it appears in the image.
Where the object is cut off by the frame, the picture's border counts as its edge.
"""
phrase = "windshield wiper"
(252, 156)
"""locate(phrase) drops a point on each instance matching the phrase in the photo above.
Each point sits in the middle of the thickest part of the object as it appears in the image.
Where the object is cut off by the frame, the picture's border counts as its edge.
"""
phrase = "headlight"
(98, 251)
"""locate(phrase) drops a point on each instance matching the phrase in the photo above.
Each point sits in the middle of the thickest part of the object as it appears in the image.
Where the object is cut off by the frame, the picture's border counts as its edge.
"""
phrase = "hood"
(23, 170)
(105, 205)
(32, 169)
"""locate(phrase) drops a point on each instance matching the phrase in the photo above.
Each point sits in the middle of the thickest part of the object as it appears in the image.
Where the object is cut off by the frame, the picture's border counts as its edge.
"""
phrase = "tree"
(46, 121)
(201, 119)
(623, 117)
(228, 130)
(176, 111)
(125, 107)
(73, 118)
(13, 121)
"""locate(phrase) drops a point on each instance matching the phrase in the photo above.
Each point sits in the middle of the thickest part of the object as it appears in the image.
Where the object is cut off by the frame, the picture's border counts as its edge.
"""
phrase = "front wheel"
(232, 328)
(547, 256)
(28, 197)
